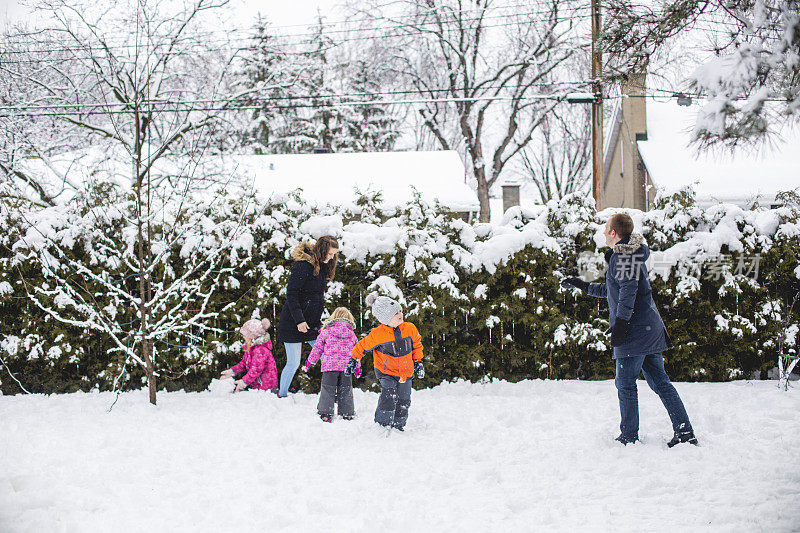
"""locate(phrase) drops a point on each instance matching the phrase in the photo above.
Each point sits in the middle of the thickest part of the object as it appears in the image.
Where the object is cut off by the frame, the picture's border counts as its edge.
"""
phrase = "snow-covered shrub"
(486, 299)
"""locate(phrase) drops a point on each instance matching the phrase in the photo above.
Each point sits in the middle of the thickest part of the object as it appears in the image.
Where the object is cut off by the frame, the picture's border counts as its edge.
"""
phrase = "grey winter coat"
(629, 296)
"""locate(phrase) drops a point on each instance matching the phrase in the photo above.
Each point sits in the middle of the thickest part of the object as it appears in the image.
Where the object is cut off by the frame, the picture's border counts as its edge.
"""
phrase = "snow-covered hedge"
(486, 298)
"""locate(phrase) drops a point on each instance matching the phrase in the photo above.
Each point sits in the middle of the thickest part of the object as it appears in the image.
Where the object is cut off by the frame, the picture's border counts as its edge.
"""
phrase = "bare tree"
(558, 161)
(29, 75)
(480, 71)
(139, 87)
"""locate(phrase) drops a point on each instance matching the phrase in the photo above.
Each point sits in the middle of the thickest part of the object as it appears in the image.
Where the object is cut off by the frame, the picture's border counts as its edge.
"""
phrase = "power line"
(300, 106)
(251, 35)
(278, 50)
(250, 100)
(245, 102)
(188, 108)
(350, 21)
(430, 11)
(208, 50)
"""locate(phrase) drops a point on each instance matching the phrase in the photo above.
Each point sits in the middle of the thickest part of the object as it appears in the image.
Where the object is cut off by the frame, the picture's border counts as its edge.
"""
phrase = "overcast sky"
(10, 10)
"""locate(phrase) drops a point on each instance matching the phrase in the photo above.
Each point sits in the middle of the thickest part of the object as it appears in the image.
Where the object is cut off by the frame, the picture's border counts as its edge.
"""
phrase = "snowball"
(221, 387)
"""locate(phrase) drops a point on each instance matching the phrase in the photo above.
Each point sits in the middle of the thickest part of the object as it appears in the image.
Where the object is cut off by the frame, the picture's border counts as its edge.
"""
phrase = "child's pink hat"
(254, 328)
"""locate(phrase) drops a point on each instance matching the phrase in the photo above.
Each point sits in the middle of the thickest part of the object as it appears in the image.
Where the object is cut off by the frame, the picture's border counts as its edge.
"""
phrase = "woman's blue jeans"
(293, 350)
(652, 366)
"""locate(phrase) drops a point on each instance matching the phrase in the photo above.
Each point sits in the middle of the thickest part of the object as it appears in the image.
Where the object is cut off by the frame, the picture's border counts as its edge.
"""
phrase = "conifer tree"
(369, 127)
(266, 78)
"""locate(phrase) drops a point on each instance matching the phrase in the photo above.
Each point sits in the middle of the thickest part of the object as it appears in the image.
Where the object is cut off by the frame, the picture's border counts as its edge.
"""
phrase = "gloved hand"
(577, 283)
(619, 331)
(351, 366)
(307, 365)
(358, 370)
(419, 370)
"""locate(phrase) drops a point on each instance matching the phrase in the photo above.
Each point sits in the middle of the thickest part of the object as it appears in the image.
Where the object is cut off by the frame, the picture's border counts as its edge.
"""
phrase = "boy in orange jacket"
(397, 353)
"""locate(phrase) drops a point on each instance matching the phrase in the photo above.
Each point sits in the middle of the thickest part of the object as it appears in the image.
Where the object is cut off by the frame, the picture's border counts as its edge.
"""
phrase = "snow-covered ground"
(474, 457)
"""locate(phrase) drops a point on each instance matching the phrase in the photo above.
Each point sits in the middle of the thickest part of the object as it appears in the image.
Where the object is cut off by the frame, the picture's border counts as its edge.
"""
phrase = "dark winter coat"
(627, 289)
(305, 297)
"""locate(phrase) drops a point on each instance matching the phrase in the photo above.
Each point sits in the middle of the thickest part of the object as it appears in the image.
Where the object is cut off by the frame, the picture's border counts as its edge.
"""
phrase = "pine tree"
(311, 88)
(266, 77)
(369, 127)
(314, 123)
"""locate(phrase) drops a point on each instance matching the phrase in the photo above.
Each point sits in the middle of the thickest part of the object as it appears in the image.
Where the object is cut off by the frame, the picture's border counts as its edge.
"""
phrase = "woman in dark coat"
(300, 320)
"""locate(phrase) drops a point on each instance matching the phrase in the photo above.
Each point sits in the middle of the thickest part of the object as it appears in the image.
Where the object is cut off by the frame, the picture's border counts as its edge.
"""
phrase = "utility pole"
(597, 109)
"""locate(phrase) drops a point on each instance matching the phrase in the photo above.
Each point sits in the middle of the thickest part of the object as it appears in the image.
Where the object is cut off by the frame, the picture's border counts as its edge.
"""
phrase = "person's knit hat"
(383, 307)
(254, 328)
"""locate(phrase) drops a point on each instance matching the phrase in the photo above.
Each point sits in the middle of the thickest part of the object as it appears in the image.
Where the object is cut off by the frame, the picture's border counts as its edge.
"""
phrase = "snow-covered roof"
(739, 177)
(324, 178)
(333, 178)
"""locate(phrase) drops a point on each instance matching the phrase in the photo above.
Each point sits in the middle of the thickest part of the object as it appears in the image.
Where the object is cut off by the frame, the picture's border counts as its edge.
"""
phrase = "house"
(625, 181)
(334, 178)
(648, 148)
(321, 178)
(742, 177)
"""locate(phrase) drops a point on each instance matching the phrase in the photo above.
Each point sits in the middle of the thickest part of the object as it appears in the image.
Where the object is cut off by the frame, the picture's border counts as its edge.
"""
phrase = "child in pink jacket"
(334, 345)
(257, 364)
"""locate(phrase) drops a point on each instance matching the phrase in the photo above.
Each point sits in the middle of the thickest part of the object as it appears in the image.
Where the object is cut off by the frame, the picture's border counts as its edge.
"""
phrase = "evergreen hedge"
(486, 299)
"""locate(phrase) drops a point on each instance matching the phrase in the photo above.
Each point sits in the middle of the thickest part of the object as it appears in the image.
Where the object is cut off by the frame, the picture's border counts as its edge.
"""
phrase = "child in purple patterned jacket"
(257, 364)
(334, 345)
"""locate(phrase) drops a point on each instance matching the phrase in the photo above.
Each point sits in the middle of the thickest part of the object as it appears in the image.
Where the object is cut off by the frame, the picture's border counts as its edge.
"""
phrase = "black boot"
(626, 441)
(683, 437)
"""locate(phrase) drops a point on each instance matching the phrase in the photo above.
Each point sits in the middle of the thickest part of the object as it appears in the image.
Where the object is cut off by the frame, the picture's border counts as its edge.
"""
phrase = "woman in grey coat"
(638, 335)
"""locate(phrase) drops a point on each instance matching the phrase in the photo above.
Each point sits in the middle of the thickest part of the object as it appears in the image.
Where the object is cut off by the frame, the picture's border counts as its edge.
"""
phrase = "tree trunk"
(483, 194)
(147, 348)
(144, 309)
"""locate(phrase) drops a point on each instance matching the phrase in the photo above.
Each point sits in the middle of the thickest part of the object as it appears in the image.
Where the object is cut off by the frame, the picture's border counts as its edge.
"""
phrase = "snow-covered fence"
(486, 298)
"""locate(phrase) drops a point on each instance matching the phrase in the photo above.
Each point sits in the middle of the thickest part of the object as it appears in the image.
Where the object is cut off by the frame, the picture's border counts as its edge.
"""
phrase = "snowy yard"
(494, 457)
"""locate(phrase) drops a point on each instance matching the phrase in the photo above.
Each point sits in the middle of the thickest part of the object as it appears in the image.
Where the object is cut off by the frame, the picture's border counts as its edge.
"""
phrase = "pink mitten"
(306, 365)
(358, 371)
